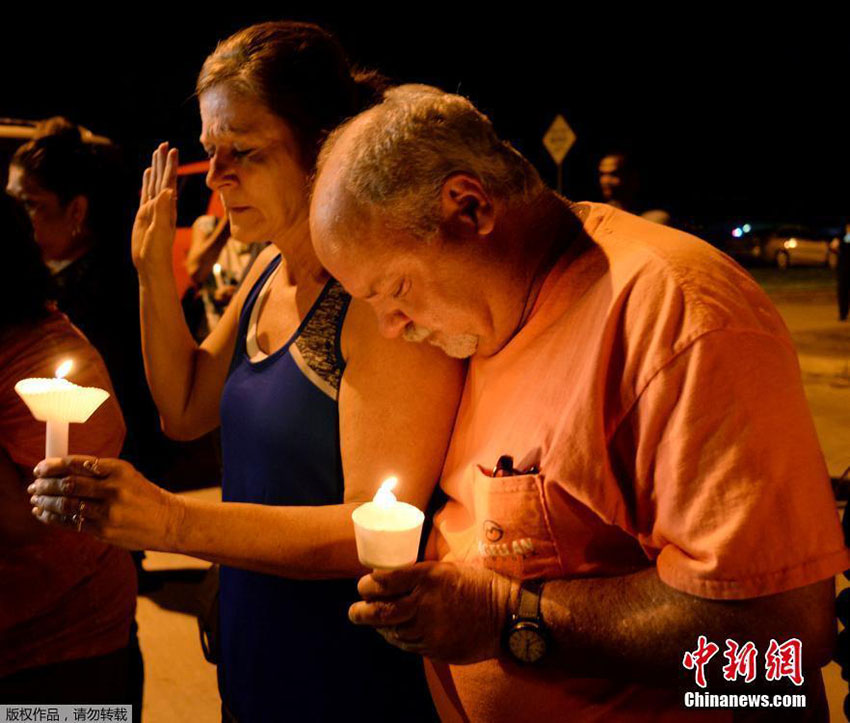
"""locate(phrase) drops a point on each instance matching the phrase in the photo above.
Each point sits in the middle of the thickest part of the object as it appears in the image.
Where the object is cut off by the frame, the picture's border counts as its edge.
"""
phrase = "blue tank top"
(288, 650)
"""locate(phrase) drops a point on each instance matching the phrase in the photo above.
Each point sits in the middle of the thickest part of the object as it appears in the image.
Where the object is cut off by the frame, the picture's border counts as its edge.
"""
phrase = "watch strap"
(528, 604)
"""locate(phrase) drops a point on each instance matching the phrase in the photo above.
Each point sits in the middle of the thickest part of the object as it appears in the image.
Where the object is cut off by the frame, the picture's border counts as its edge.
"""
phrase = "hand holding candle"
(387, 531)
(59, 402)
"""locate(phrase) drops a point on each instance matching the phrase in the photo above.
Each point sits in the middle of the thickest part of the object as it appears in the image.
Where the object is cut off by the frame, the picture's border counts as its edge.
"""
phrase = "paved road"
(806, 300)
(180, 686)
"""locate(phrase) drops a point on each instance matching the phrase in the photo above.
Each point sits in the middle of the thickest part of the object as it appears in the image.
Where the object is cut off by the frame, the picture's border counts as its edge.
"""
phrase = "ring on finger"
(92, 465)
(389, 632)
(393, 632)
(80, 518)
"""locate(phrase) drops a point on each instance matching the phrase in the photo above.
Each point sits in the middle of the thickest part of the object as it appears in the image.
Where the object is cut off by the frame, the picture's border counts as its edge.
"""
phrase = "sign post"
(558, 141)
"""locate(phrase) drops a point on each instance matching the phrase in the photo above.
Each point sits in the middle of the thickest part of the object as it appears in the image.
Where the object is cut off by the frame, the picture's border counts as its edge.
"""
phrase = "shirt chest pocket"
(513, 532)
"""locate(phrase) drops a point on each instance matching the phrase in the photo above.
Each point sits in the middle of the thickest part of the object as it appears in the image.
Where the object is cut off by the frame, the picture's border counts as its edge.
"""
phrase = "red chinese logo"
(780, 661)
(742, 661)
(697, 659)
(785, 661)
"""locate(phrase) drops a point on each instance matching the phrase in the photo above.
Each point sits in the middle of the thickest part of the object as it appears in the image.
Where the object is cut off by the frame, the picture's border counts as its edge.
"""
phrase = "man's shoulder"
(627, 239)
(660, 272)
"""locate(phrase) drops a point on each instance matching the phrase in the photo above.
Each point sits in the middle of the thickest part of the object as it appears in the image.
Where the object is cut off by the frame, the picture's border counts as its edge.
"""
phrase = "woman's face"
(254, 164)
(57, 228)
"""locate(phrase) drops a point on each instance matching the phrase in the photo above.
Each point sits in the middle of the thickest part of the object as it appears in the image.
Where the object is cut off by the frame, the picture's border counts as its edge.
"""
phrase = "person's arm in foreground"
(397, 405)
(633, 626)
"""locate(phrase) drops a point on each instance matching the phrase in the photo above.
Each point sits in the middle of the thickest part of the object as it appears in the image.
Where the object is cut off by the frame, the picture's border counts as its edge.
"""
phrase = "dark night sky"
(742, 120)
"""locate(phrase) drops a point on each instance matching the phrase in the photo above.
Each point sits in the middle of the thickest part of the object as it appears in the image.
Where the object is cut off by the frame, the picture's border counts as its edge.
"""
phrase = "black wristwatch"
(526, 638)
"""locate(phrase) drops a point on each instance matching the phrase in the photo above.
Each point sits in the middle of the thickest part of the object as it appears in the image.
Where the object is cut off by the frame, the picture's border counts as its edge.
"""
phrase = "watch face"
(526, 643)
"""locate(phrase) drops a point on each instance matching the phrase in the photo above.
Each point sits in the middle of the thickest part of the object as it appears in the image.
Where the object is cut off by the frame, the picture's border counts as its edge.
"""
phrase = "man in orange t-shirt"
(622, 504)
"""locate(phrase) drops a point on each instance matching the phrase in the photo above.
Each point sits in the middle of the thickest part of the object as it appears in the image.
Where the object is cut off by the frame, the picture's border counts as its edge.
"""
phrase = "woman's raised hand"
(156, 219)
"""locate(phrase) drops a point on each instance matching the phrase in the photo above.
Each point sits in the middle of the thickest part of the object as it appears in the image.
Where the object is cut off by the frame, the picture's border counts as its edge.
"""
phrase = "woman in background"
(71, 189)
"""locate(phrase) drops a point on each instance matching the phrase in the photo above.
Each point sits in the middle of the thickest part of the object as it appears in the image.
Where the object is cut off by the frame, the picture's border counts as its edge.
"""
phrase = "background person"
(620, 186)
(71, 191)
(217, 263)
(842, 273)
(67, 601)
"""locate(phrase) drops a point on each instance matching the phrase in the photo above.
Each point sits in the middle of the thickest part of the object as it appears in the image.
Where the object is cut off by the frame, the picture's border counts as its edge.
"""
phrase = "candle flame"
(63, 369)
(384, 496)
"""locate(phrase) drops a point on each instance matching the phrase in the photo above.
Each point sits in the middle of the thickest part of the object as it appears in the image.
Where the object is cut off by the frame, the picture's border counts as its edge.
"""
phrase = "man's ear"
(78, 208)
(466, 208)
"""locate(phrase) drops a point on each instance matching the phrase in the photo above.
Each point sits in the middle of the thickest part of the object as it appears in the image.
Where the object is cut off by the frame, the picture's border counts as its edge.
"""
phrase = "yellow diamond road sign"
(559, 139)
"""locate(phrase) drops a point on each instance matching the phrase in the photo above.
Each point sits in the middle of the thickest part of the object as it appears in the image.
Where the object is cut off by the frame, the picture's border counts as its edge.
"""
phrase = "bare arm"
(397, 404)
(185, 379)
(638, 627)
(633, 627)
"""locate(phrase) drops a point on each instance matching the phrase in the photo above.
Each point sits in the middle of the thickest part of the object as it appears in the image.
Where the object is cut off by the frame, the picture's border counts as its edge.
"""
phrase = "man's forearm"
(637, 627)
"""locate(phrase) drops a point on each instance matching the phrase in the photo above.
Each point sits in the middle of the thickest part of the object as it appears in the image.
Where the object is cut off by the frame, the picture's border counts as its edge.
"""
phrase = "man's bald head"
(391, 163)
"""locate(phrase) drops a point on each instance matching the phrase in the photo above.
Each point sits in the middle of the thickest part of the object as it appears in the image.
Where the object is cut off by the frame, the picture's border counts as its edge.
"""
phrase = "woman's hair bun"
(59, 128)
(369, 88)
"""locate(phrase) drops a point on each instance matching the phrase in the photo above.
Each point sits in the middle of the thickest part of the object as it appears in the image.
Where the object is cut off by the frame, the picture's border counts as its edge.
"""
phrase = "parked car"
(781, 245)
(798, 246)
(745, 243)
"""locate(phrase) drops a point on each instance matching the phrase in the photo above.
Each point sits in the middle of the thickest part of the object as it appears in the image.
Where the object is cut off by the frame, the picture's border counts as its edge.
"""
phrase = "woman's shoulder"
(363, 343)
(266, 258)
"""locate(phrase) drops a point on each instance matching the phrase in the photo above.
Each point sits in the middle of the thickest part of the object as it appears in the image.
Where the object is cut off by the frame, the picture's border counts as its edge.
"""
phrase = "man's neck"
(554, 222)
(534, 238)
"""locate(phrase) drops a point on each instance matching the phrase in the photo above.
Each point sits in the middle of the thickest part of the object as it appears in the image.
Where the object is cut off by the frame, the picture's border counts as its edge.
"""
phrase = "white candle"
(219, 282)
(58, 402)
(387, 531)
(56, 439)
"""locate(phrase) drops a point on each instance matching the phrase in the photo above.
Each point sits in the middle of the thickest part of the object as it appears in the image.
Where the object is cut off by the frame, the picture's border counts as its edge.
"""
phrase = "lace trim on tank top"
(316, 348)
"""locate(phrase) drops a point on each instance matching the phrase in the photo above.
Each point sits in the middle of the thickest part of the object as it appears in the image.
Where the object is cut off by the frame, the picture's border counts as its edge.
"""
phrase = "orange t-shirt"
(653, 386)
(63, 595)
